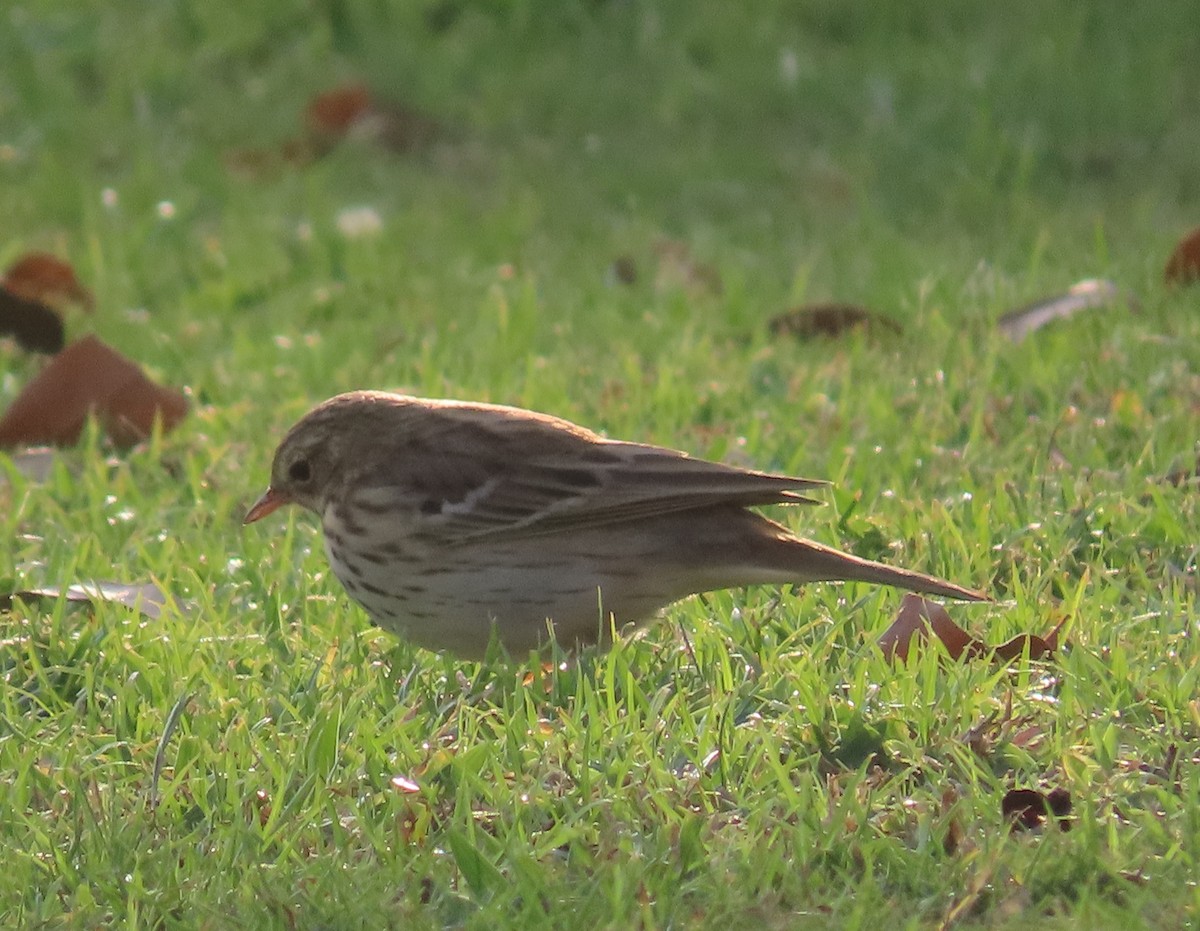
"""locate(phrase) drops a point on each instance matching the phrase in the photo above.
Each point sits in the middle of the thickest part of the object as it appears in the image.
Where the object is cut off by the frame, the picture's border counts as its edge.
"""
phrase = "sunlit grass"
(751, 760)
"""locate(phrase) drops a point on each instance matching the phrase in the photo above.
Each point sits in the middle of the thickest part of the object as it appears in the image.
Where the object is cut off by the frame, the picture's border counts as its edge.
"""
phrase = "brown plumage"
(453, 522)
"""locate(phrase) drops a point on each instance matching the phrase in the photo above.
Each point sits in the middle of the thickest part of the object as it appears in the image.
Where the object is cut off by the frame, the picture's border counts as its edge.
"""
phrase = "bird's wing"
(503, 473)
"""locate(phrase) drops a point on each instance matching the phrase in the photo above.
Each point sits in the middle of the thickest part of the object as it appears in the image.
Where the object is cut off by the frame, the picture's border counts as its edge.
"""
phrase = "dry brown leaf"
(1028, 808)
(1091, 292)
(146, 598)
(1039, 647)
(1028, 738)
(46, 279)
(31, 323)
(1184, 264)
(331, 114)
(353, 110)
(349, 111)
(829, 320)
(916, 619)
(89, 377)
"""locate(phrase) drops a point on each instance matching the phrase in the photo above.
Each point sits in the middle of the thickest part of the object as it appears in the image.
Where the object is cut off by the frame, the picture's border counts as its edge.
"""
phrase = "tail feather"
(809, 561)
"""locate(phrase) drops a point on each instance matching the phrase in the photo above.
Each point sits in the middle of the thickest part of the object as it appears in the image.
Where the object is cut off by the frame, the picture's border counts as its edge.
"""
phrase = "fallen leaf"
(1028, 808)
(919, 617)
(47, 280)
(1039, 647)
(916, 619)
(89, 377)
(829, 320)
(1091, 292)
(1028, 738)
(32, 324)
(353, 110)
(146, 598)
(1184, 264)
(331, 114)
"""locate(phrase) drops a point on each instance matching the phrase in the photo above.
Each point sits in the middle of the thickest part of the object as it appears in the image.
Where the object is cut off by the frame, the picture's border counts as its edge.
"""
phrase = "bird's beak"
(271, 500)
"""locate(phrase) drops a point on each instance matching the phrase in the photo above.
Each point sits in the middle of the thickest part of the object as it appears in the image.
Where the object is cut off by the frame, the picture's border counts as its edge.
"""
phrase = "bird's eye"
(300, 471)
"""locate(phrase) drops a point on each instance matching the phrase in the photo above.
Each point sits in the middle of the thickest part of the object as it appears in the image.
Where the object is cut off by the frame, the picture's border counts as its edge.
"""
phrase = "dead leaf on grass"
(351, 111)
(1029, 808)
(1038, 647)
(1183, 266)
(47, 280)
(354, 111)
(34, 326)
(1028, 738)
(89, 377)
(146, 598)
(332, 113)
(1091, 292)
(830, 320)
(918, 618)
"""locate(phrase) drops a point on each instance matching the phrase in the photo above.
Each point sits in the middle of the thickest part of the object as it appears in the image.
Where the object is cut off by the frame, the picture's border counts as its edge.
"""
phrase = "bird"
(456, 523)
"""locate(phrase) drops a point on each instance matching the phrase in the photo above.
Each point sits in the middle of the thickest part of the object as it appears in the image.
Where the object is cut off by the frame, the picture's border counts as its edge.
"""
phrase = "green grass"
(751, 760)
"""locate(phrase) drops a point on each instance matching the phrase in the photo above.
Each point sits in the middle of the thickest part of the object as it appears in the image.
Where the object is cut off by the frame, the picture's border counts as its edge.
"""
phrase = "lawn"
(616, 200)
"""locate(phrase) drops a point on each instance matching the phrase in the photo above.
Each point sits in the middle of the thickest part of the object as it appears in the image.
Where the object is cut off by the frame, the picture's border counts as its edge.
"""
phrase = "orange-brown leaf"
(331, 114)
(1184, 264)
(89, 377)
(1039, 647)
(46, 279)
(916, 619)
(1015, 647)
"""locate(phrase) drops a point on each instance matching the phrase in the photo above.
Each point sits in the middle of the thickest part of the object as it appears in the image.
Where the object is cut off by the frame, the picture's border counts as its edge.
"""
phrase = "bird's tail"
(808, 561)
